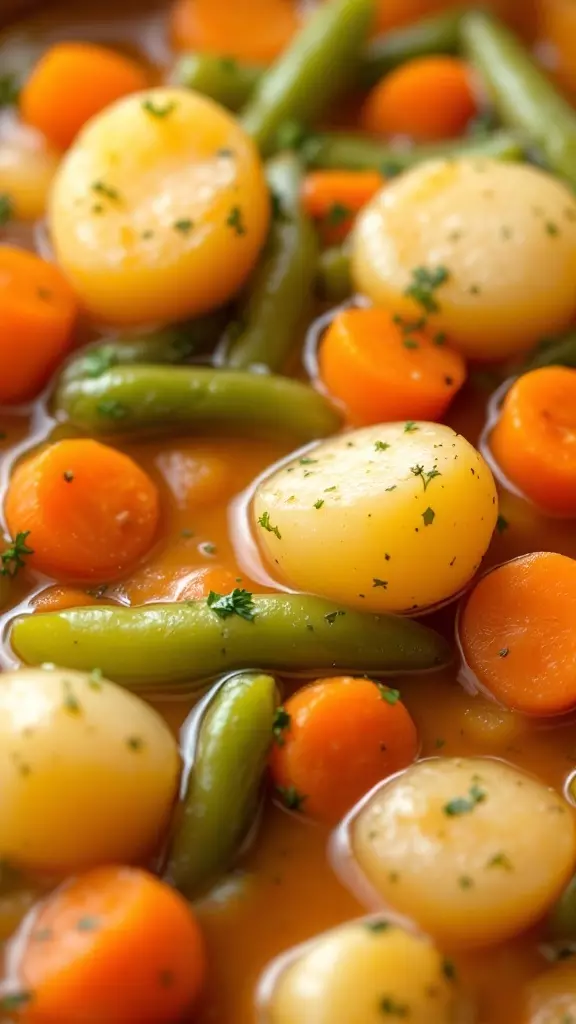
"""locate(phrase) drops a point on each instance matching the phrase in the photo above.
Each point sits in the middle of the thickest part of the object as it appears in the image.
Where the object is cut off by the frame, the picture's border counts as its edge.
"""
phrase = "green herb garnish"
(425, 281)
(14, 557)
(264, 522)
(238, 602)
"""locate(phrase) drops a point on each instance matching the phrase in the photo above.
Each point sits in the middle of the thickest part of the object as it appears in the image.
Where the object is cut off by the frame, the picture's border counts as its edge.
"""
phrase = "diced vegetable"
(494, 242)
(89, 772)
(228, 758)
(363, 972)
(383, 367)
(472, 849)
(133, 259)
(353, 517)
(72, 82)
(517, 637)
(115, 940)
(337, 739)
(88, 511)
(532, 440)
(179, 646)
(255, 30)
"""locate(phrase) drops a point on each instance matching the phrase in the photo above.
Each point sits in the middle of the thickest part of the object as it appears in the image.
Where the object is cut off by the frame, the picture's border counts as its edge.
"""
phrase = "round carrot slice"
(517, 633)
(90, 511)
(250, 30)
(534, 441)
(388, 368)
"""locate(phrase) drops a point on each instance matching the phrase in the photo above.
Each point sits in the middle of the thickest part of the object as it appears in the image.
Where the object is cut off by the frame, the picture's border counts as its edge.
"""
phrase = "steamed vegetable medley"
(288, 568)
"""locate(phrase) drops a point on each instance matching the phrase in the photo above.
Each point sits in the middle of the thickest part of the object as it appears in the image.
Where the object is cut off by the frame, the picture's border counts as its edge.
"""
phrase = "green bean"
(174, 647)
(153, 399)
(561, 921)
(222, 78)
(523, 96)
(225, 785)
(169, 346)
(360, 152)
(556, 352)
(311, 72)
(280, 290)
(333, 280)
(437, 34)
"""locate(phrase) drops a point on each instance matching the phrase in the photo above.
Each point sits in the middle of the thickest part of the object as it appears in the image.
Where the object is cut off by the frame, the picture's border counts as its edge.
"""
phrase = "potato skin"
(472, 849)
(159, 216)
(362, 972)
(360, 523)
(506, 234)
(88, 772)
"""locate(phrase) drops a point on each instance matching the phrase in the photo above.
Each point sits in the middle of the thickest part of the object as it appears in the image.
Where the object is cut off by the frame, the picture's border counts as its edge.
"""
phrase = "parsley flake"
(14, 557)
(135, 743)
(70, 701)
(158, 111)
(502, 524)
(337, 215)
(281, 722)
(184, 226)
(392, 1008)
(9, 90)
(379, 583)
(6, 209)
(500, 860)
(428, 516)
(319, 503)
(425, 281)
(381, 446)
(264, 522)
(410, 427)
(234, 221)
(465, 805)
(290, 797)
(102, 189)
(238, 602)
(388, 694)
(448, 969)
(425, 476)
(377, 926)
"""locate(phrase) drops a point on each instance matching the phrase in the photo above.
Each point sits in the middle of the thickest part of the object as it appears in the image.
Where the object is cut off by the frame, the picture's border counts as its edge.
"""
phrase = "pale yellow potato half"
(394, 517)
(551, 997)
(506, 235)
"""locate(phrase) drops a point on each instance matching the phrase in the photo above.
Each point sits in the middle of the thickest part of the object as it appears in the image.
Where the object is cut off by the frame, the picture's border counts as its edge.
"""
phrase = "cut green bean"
(225, 786)
(169, 346)
(561, 922)
(353, 152)
(437, 34)
(140, 400)
(280, 290)
(524, 97)
(311, 72)
(557, 352)
(175, 647)
(223, 79)
(333, 280)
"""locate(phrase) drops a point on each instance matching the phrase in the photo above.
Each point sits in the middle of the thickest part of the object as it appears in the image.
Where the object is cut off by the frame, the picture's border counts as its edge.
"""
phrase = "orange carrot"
(517, 635)
(533, 440)
(91, 512)
(114, 945)
(250, 30)
(71, 83)
(203, 581)
(335, 197)
(57, 599)
(37, 315)
(428, 98)
(335, 740)
(387, 368)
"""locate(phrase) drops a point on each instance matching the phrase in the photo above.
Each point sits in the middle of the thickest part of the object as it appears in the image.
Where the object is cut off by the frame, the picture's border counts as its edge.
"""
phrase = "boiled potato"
(88, 771)
(505, 234)
(551, 997)
(361, 973)
(472, 849)
(27, 166)
(160, 208)
(394, 517)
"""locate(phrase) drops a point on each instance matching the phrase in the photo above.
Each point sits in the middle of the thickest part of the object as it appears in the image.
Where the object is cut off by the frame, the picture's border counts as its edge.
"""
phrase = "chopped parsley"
(425, 282)
(500, 860)
(14, 557)
(112, 409)
(234, 221)
(264, 522)
(379, 583)
(465, 804)
(9, 90)
(332, 616)
(551, 228)
(319, 503)
(6, 209)
(135, 743)
(290, 797)
(391, 1008)
(238, 602)
(465, 882)
(388, 694)
(207, 548)
(381, 446)
(102, 189)
(502, 524)
(425, 476)
(410, 427)
(281, 722)
(158, 111)
(184, 226)
(448, 969)
(428, 516)
(503, 652)
(70, 701)
(377, 926)
(337, 215)
(307, 461)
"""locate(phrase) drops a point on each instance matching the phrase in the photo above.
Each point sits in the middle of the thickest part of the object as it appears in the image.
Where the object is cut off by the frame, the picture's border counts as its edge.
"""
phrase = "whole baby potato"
(88, 772)
(394, 517)
(493, 243)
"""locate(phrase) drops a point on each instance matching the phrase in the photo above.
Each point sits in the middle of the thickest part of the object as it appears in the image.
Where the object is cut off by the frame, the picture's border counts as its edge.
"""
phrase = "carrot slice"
(71, 83)
(57, 599)
(428, 98)
(114, 945)
(334, 198)
(385, 368)
(203, 581)
(91, 512)
(534, 440)
(38, 312)
(250, 30)
(517, 633)
(335, 740)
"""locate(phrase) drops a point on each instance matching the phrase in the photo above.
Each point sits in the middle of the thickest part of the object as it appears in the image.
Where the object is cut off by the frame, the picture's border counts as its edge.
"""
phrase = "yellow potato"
(394, 517)
(160, 208)
(472, 849)
(88, 771)
(363, 973)
(551, 997)
(506, 234)
(27, 166)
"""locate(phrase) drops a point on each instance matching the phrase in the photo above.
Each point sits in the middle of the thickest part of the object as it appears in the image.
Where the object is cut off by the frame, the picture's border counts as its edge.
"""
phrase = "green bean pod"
(280, 289)
(223, 79)
(438, 34)
(229, 756)
(140, 400)
(169, 346)
(354, 152)
(311, 72)
(524, 97)
(557, 352)
(334, 280)
(175, 647)
(561, 920)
